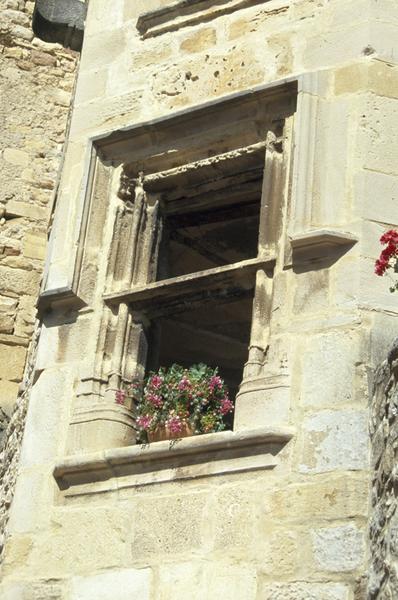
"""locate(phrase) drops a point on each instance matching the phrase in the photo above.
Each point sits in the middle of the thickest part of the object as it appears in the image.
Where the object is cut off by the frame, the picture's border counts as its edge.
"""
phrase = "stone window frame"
(249, 446)
(156, 296)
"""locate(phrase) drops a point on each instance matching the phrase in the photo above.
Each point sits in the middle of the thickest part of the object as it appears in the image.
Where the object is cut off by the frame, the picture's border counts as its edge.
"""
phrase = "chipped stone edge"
(84, 468)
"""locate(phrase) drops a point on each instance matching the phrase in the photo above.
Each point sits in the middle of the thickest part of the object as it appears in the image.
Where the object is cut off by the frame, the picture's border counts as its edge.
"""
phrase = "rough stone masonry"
(36, 86)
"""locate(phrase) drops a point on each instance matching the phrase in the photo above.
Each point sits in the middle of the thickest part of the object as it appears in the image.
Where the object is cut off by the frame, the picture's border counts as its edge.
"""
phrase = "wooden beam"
(216, 215)
(238, 275)
(197, 246)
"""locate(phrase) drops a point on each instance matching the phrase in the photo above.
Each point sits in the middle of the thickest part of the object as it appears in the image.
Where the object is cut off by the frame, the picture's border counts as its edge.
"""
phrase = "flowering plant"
(388, 258)
(178, 398)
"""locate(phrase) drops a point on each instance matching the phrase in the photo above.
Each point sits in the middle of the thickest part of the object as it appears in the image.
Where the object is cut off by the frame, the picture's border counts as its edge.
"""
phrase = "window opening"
(199, 310)
(216, 333)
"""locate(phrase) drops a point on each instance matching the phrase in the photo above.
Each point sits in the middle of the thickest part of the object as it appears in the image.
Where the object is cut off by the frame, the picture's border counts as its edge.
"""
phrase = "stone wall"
(297, 529)
(35, 88)
(383, 579)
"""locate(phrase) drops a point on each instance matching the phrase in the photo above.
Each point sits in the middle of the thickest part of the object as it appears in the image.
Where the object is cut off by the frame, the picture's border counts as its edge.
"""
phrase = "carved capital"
(130, 186)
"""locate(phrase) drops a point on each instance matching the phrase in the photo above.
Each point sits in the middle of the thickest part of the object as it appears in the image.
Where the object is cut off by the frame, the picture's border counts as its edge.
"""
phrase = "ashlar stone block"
(377, 145)
(99, 537)
(232, 580)
(377, 196)
(173, 581)
(328, 369)
(169, 525)
(338, 549)
(199, 41)
(336, 497)
(123, 584)
(92, 86)
(335, 440)
(304, 591)
(12, 362)
(32, 590)
(8, 395)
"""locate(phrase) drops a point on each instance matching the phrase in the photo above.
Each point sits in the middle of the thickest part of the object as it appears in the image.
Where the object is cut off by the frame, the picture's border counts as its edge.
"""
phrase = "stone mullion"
(252, 399)
(260, 326)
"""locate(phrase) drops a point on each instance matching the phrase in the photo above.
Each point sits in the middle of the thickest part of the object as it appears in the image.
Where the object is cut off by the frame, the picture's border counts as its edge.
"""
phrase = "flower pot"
(162, 432)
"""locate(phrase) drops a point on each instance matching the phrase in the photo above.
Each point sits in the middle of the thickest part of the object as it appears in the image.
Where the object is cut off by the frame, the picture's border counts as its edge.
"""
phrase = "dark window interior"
(202, 240)
(216, 333)
(210, 215)
(210, 219)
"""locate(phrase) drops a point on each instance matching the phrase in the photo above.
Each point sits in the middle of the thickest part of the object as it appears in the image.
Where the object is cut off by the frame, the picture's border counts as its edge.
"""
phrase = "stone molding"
(322, 239)
(115, 146)
(188, 12)
(196, 456)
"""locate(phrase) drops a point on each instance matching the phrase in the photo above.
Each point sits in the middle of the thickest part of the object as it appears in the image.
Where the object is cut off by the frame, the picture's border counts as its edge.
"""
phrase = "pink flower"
(226, 406)
(120, 396)
(156, 381)
(215, 382)
(144, 422)
(155, 400)
(184, 384)
(174, 424)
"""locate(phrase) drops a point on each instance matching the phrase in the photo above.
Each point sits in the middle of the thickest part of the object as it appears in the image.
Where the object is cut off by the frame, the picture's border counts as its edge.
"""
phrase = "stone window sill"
(197, 456)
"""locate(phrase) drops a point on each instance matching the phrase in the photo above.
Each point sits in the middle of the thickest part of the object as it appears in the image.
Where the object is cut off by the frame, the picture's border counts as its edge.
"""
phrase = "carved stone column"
(98, 421)
(263, 396)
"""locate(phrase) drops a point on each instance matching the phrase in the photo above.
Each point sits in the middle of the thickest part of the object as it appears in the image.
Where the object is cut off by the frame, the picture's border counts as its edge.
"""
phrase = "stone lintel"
(60, 21)
(269, 102)
(196, 456)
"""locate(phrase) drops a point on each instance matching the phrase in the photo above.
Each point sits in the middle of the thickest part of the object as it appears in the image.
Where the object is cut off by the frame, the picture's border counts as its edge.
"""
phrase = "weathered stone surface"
(207, 580)
(12, 362)
(334, 357)
(8, 395)
(4, 420)
(179, 522)
(304, 591)
(199, 41)
(338, 549)
(338, 495)
(16, 157)
(32, 131)
(33, 590)
(19, 281)
(123, 584)
(56, 553)
(335, 440)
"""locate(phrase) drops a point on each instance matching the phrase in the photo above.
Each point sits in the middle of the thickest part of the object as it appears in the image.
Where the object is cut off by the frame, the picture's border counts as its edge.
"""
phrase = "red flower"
(390, 238)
